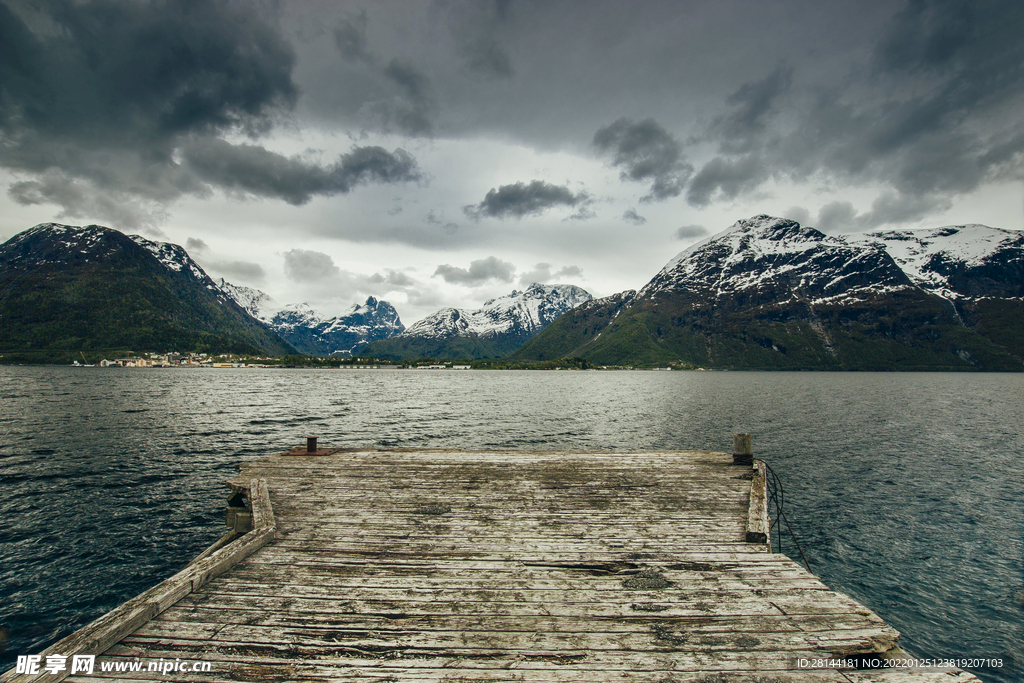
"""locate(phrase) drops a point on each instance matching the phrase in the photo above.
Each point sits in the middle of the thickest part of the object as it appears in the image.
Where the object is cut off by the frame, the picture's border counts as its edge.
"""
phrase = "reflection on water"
(904, 489)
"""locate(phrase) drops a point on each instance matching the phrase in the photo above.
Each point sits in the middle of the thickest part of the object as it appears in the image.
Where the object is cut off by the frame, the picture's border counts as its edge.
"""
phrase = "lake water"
(905, 490)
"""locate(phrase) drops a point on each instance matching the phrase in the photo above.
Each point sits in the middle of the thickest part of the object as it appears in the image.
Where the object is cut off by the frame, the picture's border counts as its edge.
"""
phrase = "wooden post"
(311, 444)
(742, 449)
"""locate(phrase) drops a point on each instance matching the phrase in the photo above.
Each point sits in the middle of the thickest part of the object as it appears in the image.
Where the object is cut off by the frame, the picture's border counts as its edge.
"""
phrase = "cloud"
(837, 216)
(433, 218)
(542, 274)
(476, 26)
(394, 278)
(723, 178)
(245, 271)
(478, 273)
(630, 215)
(302, 265)
(584, 213)
(81, 199)
(235, 271)
(890, 207)
(689, 232)
(798, 214)
(926, 115)
(752, 105)
(350, 38)
(519, 200)
(195, 245)
(254, 170)
(646, 152)
(411, 109)
(115, 109)
(82, 98)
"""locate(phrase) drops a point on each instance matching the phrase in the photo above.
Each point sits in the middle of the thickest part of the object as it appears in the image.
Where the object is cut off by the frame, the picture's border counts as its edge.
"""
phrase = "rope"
(777, 495)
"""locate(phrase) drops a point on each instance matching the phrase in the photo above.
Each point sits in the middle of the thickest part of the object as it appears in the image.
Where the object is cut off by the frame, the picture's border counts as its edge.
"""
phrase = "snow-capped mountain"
(768, 292)
(53, 243)
(500, 326)
(775, 257)
(175, 258)
(524, 312)
(259, 305)
(956, 262)
(93, 288)
(312, 333)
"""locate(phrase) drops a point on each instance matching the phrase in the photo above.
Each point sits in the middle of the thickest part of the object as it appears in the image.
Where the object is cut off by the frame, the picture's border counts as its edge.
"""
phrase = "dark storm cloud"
(350, 38)
(478, 273)
(100, 100)
(122, 74)
(929, 116)
(752, 105)
(647, 153)
(410, 112)
(519, 200)
(255, 170)
(725, 178)
(475, 27)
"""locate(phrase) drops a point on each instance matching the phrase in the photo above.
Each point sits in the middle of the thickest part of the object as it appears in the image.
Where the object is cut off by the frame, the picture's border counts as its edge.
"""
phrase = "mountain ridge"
(311, 332)
(496, 329)
(67, 289)
(770, 293)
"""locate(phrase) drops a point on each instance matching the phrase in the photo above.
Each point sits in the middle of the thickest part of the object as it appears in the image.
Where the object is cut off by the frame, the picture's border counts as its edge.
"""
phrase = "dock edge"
(758, 527)
(99, 635)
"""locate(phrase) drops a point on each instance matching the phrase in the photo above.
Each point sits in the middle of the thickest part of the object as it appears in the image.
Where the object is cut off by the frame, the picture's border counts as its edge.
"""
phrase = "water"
(905, 490)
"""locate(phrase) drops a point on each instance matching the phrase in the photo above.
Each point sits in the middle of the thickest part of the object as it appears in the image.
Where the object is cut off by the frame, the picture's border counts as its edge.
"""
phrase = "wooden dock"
(437, 565)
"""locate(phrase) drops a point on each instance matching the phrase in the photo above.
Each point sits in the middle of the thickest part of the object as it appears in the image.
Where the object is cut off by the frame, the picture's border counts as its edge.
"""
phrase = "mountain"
(310, 332)
(68, 289)
(498, 328)
(254, 302)
(303, 327)
(770, 293)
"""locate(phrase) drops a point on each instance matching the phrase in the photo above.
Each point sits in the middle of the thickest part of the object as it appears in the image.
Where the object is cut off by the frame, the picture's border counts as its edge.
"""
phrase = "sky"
(438, 153)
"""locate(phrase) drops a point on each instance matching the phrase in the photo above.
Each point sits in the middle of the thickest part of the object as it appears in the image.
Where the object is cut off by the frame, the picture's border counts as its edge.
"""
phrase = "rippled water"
(906, 490)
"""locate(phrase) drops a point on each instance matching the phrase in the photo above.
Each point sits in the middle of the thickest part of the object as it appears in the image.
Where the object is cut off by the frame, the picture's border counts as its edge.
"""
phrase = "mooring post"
(311, 444)
(742, 449)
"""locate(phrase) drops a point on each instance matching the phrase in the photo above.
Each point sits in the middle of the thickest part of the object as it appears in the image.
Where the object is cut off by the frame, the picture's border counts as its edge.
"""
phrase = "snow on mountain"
(62, 241)
(956, 261)
(180, 303)
(521, 312)
(172, 256)
(256, 303)
(73, 242)
(781, 258)
(310, 332)
(294, 316)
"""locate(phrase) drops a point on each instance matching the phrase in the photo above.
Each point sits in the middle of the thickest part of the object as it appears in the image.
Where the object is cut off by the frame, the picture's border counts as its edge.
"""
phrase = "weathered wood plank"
(442, 565)
(758, 529)
(639, 621)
